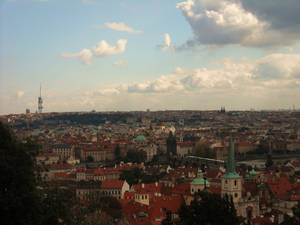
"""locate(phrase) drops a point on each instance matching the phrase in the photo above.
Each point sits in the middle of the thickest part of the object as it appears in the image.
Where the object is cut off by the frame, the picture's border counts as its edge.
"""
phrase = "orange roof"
(112, 184)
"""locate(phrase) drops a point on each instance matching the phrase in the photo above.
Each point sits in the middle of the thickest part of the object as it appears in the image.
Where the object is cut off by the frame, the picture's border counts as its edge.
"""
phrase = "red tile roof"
(112, 184)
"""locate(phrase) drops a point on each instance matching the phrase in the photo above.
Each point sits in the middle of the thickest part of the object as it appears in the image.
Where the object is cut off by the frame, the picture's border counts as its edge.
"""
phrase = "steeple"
(230, 170)
(230, 161)
(231, 182)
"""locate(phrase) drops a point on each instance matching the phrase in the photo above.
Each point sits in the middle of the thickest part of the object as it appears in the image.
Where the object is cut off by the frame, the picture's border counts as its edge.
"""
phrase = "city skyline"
(157, 55)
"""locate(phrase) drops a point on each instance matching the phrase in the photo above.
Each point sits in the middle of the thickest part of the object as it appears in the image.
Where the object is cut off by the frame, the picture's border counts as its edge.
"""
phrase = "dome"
(200, 181)
(140, 138)
(252, 172)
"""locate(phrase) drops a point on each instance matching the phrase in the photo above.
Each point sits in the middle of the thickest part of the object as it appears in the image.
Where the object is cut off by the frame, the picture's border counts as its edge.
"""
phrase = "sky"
(125, 55)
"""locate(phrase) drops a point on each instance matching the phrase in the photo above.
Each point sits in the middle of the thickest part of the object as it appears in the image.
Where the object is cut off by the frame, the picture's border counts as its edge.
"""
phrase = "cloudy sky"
(157, 54)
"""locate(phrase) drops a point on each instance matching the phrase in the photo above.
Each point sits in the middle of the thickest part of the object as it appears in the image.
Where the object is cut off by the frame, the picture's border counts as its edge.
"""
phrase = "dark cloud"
(281, 14)
(250, 23)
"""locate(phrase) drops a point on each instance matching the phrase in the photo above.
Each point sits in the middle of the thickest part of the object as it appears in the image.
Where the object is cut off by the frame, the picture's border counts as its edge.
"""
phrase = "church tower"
(231, 182)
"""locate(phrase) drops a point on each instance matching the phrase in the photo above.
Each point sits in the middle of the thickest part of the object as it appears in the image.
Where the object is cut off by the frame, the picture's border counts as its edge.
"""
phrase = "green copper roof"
(252, 172)
(230, 171)
(231, 175)
(199, 181)
(230, 162)
(140, 138)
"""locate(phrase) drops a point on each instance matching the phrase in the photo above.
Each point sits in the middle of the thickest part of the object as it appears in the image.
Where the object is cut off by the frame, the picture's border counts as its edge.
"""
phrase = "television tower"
(40, 101)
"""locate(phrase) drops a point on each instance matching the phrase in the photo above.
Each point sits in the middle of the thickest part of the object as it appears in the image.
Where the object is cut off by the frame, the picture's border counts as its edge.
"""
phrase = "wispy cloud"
(121, 63)
(122, 27)
(85, 56)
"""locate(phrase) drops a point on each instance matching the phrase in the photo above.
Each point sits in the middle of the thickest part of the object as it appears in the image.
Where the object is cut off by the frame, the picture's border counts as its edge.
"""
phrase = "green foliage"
(95, 218)
(135, 156)
(118, 154)
(168, 219)
(57, 206)
(19, 198)
(210, 209)
(131, 176)
(137, 175)
(203, 150)
(269, 161)
(22, 203)
(90, 159)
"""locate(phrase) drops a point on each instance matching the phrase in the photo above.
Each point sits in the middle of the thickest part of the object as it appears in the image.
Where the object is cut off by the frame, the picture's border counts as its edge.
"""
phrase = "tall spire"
(231, 162)
(40, 101)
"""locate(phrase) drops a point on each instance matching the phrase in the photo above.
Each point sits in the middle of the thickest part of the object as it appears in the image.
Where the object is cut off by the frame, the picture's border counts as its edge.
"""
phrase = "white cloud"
(276, 70)
(20, 94)
(270, 82)
(225, 22)
(101, 49)
(104, 49)
(167, 42)
(121, 63)
(122, 27)
(85, 56)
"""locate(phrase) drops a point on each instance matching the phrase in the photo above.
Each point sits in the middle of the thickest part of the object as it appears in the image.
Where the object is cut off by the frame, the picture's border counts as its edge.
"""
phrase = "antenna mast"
(40, 101)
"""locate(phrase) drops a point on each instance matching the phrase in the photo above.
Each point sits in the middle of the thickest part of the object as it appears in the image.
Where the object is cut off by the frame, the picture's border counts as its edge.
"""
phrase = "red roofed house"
(114, 188)
(144, 193)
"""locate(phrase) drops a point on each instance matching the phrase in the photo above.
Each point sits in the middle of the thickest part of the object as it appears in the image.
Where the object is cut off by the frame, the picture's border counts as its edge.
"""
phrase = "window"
(236, 195)
(225, 181)
(235, 183)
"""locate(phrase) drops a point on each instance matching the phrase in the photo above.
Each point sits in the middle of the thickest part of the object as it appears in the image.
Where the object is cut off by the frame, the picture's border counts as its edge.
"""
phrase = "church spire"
(230, 161)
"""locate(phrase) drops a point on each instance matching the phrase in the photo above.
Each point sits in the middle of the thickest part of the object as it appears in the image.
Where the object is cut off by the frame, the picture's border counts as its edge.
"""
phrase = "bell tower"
(231, 182)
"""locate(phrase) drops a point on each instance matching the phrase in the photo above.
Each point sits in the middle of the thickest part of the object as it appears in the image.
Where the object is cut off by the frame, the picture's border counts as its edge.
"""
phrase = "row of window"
(141, 197)
(235, 182)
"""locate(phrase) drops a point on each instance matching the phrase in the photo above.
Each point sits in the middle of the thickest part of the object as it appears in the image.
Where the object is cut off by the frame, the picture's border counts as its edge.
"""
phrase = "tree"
(95, 218)
(135, 156)
(19, 198)
(132, 176)
(90, 159)
(207, 208)
(118, 153)
(105, 204)
(168, 219)
(269, 161)
(203, 150)
(57, 206)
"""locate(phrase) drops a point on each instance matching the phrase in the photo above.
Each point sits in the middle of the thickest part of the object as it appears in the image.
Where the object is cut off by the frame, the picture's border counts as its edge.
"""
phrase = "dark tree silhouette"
(19, 198)
(207, 208)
